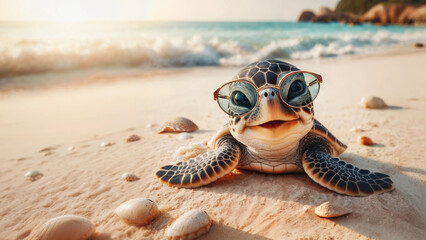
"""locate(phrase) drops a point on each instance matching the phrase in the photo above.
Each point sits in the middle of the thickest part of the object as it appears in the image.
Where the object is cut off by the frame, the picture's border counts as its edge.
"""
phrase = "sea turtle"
(272, 129)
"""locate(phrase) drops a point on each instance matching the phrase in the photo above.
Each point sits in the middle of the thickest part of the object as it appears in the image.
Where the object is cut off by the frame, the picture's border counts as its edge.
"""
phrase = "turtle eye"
(239, 99)
(299, 89)
(296, 88)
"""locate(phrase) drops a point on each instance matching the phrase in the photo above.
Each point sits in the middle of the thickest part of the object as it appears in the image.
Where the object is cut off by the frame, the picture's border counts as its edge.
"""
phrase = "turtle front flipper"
(205, 168)
(342, 177)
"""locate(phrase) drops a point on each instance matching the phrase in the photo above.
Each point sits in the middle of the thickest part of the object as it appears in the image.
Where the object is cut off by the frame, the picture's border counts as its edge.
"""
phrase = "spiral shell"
(137, 211)
(179, 124)
(67, 227)
(190, 225)
(129, 177)
(33, 175)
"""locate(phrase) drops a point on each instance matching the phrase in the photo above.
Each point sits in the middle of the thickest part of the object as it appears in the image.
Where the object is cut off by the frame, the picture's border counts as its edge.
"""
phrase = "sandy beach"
(86, 180)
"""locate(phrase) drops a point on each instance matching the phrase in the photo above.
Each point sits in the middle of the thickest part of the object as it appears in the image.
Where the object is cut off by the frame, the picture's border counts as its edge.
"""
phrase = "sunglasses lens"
(299, 89)
(237, 98)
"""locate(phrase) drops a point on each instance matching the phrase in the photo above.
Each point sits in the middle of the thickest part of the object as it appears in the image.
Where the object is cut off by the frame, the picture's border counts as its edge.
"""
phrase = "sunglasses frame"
(278, 86)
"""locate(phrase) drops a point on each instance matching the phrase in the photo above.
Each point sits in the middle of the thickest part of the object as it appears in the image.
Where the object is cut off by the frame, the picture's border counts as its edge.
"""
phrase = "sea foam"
(197, 46)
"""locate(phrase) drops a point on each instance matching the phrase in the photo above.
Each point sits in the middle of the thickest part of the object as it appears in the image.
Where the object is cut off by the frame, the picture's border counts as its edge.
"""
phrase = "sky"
(157, 10)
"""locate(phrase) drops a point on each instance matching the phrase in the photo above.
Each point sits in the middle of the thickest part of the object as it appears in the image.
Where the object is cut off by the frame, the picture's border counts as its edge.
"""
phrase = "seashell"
(133, 138)
(70, 148)
(329, 210)
(129, 177)
(364, 140)
(150, 125)
(183, 136)
(190, 225)
(137, 211)
(33, 175)
(67, 227)
(106, 144)
(372, 102)
(179, 124)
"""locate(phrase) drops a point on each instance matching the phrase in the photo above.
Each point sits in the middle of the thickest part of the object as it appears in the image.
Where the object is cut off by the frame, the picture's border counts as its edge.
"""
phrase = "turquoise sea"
(27, 48)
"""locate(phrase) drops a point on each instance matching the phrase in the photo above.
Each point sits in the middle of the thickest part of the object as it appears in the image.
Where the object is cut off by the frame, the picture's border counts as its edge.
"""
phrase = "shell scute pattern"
(264, 72)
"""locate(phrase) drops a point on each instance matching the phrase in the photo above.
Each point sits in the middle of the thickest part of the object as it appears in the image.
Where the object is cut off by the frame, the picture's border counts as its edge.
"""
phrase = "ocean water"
(27, 48)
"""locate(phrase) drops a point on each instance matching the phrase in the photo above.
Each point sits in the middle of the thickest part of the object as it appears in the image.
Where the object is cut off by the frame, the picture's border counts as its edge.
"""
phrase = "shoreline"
(93, 76)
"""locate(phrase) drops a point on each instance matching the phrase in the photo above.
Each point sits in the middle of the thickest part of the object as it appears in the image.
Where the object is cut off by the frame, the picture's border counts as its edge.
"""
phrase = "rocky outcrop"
(417, 16)
(403, 17)
(377, 14)
(306, 16)
(328, 15)
(380, 14)
(396, 14)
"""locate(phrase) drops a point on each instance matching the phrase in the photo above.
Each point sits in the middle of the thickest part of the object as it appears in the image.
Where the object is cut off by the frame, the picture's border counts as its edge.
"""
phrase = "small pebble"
(106, 144)
(190, 225)
(47, 149)
(357, 130)
(33, 175)
(179, 124)
(372, 103)
(183, 136)
(329, 210)
(150, 125)
(419, 45)
(364, 140)
(129, 177)
(70, 148)
(133, 138)
(47, 153)
(137, 211)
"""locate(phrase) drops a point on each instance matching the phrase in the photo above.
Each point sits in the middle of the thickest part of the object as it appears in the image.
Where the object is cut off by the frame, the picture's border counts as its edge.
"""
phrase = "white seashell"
(185, 135)
(129, 177)
(67, 227)
(150, 125)
(179, 124)
(372, 102)
(33, 175)
(106, 144)
(138, 211)
(190, 225)
(70, 148)
(328, 210)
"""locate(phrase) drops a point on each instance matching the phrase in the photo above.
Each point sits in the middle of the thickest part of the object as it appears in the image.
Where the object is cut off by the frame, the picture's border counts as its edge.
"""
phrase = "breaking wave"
(21, 55)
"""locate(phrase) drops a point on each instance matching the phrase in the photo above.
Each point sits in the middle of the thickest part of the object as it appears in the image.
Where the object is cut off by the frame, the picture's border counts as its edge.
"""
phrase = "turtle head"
(271, 124)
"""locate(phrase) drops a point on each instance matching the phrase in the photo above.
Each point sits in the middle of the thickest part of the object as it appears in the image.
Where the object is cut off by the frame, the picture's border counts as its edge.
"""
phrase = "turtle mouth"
(272, 124)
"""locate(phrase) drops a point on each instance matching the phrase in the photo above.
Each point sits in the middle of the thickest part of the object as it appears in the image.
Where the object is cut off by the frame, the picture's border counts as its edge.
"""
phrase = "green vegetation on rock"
(361, 6)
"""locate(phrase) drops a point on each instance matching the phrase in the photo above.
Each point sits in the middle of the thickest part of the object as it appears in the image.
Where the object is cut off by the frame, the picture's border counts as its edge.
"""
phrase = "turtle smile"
(272, 124)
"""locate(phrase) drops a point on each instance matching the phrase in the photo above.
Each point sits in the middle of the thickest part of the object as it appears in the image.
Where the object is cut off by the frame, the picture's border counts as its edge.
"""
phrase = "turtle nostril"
(273, 94)
(266, 94)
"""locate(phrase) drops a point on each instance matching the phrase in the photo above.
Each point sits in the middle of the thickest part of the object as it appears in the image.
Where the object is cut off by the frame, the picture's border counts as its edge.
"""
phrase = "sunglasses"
(240, 97)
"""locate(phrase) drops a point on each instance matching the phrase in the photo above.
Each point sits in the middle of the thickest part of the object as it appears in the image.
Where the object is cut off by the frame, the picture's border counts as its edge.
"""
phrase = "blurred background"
(56, 35)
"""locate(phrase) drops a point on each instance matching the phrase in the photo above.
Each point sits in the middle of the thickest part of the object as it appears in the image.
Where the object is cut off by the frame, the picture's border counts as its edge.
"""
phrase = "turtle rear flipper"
(205, 168)
(342, 177)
